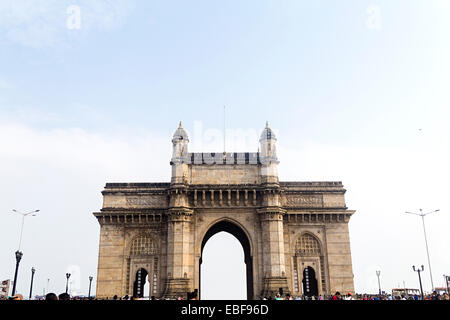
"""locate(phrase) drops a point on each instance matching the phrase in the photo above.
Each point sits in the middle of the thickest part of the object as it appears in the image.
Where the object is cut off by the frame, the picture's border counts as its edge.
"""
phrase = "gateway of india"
(294, 234)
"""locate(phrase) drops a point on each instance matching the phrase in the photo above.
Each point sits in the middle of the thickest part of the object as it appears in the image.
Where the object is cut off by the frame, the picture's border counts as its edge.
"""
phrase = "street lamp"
(67, 282)
(18, 253)
(420, 280)
(447, 278)
(421, 214)
(33, 270)
(379, 286)
(90, 283)
(18, 258)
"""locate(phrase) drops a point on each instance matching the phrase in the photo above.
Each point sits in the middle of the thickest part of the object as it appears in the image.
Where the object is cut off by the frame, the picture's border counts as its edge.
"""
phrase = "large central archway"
(236, 231)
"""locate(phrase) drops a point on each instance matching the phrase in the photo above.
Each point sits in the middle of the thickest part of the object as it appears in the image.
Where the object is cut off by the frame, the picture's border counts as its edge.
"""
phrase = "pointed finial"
(180, 125)
(267, 124)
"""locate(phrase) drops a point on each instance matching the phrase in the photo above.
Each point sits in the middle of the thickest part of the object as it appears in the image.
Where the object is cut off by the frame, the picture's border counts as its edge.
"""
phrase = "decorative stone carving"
(150, 201)
(306, 201)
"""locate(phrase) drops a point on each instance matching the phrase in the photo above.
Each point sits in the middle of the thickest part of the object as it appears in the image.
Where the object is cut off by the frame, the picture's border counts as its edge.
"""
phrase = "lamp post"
(18, 253)
(421, 214)
(67, 282)
(446, 283)
(420, 280)
(379, 286)
(18, 258)
(90, 283)
(33, 270)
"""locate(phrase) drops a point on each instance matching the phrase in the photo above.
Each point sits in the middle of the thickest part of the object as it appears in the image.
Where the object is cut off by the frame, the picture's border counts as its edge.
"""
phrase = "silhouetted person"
(51, 296)
(64, 296)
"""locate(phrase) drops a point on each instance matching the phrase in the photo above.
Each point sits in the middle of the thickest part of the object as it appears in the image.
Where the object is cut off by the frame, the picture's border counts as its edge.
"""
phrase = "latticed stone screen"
(143, 246)
(307, 245)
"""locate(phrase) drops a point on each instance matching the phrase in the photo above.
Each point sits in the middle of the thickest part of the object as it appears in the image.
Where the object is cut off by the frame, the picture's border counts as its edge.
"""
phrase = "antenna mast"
(224, 130)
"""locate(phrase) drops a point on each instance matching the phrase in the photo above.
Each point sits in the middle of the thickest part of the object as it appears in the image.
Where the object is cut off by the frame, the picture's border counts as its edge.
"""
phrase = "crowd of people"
(349, 296)
(337, 296)
(50, 297)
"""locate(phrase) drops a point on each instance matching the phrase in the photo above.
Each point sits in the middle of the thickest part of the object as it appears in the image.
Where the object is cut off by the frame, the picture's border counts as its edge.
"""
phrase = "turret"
(180, 155)
(268, 156)
(180, 143)
(268, 148)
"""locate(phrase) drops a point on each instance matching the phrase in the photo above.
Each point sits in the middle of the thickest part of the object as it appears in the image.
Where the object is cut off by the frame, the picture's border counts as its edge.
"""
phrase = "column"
(180, 245)
(180, 255)
(274, 264)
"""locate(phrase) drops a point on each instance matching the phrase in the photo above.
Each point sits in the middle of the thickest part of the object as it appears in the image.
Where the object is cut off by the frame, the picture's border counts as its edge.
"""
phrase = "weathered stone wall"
(135, 201)
(333, 266)
(224, 174)
(110, 261)
(339, 258)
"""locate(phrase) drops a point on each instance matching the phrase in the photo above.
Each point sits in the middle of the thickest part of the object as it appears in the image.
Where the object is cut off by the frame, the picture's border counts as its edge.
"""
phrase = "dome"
(267, 133)
(180, 134)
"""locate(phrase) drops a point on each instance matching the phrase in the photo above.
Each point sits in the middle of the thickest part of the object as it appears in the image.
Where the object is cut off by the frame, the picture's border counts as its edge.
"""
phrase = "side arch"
(309, 282)
(140, 282)
(310, 252)
(141, 252)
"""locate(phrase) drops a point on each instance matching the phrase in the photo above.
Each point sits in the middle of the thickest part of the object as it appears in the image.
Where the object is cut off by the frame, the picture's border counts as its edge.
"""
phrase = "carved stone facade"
(294, 234)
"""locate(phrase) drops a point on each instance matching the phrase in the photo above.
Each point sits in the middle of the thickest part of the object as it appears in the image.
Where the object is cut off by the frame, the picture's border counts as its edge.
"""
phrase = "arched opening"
(223, 269)
(309, 249)
(140, 283)
(239, 234)
(310, 282)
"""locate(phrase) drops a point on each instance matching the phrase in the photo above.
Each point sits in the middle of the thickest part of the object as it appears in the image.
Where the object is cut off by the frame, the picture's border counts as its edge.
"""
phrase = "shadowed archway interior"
(140, 283)
(237, 232)
(310, 282)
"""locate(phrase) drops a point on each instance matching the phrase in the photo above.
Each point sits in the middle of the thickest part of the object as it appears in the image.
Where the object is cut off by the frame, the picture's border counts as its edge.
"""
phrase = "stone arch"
(309, 282)
(140, 281)
(240, 233)
(141, 251)
(219, 221)
(308, 248)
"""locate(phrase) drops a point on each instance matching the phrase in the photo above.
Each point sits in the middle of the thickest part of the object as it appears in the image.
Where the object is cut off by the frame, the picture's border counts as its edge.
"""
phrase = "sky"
(357, 91)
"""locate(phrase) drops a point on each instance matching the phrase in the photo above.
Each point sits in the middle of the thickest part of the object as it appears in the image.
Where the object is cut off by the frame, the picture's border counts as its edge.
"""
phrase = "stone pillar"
(180, 257)
(180, 245)
(274, 264)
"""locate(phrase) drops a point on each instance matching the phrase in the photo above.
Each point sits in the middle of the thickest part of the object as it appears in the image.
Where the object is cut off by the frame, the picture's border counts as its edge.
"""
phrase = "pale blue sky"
(346, 90)
(316, 61)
